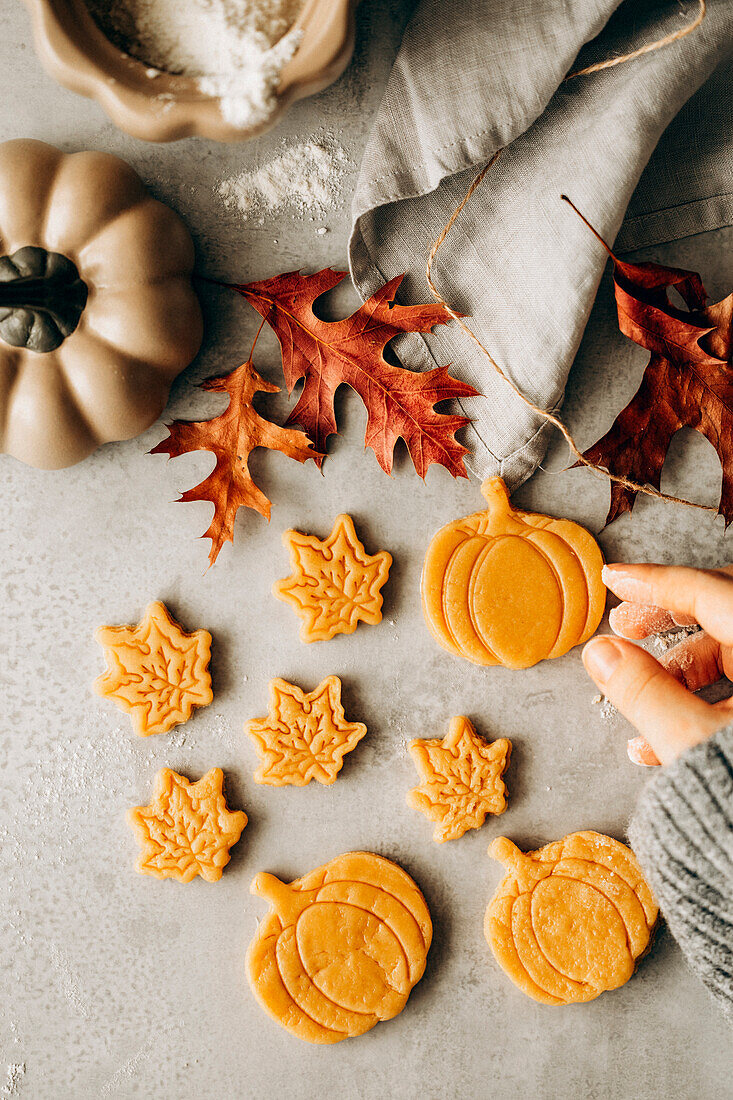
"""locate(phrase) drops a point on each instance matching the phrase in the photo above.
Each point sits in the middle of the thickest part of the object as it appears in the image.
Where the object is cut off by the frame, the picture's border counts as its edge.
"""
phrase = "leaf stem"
(257, 336)
(585, 221)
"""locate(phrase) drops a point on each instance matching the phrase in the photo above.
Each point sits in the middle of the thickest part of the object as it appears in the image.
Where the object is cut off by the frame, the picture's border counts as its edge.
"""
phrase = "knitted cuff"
(682, 833)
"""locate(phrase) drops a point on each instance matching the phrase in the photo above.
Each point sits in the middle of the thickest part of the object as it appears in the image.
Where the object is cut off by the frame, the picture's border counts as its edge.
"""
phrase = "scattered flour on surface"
(127, 1071)
(236, 49)
(69, 985)
(14, 1074)
(607, 711)
(307, 178)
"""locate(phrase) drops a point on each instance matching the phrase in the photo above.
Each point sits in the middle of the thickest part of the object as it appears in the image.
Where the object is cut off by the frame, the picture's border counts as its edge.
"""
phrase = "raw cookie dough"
(570, 920)
(304, 736)
(155, 671)
(187, 829)
(461, 779)
(335, 583)
(504, 587)
(341, 947)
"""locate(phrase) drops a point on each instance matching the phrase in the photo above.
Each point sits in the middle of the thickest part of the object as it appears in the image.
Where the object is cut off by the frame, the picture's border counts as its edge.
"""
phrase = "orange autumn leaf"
(400, 403)
(688, 381)
(232, 437)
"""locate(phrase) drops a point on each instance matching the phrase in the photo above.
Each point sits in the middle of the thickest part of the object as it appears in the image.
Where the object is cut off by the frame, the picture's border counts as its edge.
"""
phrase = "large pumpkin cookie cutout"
(341, 948)
(97, 311)
(504, 587)
(571, 920)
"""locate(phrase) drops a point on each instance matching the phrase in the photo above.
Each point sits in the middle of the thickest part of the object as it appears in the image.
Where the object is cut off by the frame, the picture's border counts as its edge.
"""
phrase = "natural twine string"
(550, 417)
(650, 47)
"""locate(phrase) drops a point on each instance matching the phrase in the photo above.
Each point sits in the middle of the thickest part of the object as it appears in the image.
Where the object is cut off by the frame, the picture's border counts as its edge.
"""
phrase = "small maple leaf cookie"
(303, 737)
(335, 583)
(461, 779)
(187, 829)
(155, 671)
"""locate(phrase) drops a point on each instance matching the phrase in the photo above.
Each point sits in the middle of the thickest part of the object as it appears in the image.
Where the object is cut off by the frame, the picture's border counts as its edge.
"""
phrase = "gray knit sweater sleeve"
(682, 832)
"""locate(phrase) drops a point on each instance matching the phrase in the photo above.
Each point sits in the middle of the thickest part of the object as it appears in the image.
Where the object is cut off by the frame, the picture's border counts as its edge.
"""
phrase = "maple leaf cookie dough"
(187, 829)
(461, 779)
(571, 920)
(335, 584)
(303, 736)
(155, 671)
(341, 948)
(504, 587)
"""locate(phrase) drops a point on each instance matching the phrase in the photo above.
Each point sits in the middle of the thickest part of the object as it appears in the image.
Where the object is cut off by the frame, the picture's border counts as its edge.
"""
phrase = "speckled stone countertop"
(116, 985)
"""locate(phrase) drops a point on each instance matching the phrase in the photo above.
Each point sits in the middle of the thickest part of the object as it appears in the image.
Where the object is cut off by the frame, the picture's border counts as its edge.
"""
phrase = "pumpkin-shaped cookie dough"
(97, 311)
(341, 948)
(570, 920)
(504, 587)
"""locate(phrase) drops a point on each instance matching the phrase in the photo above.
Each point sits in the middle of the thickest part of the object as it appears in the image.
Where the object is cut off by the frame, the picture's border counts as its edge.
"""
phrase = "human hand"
(657, 696)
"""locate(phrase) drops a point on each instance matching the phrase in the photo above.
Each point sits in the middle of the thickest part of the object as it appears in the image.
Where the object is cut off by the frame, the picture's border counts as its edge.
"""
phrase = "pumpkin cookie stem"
(503, 850)
(286, 902)
(496, 495)
(525, 869)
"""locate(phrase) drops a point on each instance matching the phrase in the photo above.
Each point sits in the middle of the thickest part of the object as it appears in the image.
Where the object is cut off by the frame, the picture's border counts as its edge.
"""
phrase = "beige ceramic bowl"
(163, 108)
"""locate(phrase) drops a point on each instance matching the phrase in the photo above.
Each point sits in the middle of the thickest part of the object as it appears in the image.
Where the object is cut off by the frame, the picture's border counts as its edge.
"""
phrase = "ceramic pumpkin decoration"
(504, 587)
(97, 311)
(570, 920)
(341, 948)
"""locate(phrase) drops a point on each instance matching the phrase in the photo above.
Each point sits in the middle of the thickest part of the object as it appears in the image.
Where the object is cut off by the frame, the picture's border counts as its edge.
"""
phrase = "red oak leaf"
(688, 381)
(326, 354)
(232, 437)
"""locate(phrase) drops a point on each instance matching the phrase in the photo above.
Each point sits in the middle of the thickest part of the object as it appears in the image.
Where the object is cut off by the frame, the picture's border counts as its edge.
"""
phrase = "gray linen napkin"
(473, 76)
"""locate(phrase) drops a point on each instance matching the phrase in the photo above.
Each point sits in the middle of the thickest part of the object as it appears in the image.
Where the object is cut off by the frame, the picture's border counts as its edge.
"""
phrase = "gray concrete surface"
(116, 985)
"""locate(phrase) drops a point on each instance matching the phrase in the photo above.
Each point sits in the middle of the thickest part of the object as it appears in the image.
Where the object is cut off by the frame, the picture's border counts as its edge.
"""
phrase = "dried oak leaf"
(461, 779)
(187, 829)
(399, 402)
(155, 671)
(232, 437)
(334, 583)
(688, 380)
(303, 737)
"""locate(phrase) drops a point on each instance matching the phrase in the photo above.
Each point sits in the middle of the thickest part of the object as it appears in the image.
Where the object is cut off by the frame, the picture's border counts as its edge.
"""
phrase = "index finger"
(706, 595)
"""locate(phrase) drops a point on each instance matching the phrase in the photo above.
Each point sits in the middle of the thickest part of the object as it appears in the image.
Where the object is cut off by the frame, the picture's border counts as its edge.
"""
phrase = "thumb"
(664, 712)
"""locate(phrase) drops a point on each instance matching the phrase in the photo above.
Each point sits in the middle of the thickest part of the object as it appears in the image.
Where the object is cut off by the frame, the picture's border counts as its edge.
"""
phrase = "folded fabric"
(474, 76)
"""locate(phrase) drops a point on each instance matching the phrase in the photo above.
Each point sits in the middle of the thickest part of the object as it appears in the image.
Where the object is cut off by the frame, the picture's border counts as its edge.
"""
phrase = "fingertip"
(601, 655)
(666, 714)
(640, 752)
(636, 621)
(625, 581)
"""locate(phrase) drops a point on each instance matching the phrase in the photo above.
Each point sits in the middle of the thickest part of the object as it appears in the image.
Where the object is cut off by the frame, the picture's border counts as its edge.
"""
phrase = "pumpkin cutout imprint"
(97, 311)
(571, 920)
(341, 948)
(504, 587)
